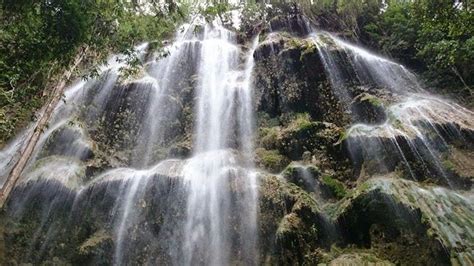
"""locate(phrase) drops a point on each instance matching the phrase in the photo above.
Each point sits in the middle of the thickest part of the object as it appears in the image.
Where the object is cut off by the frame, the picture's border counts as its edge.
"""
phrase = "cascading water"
(413, 127)
(159, 168)
(222, 156)
(345, 63)
(410, 126)
(223, 94)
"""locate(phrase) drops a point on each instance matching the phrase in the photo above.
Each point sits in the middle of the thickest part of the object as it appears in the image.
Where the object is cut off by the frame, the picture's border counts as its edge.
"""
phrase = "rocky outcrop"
(368, 109)
(290, 77)
(395, 217)
(377, 177)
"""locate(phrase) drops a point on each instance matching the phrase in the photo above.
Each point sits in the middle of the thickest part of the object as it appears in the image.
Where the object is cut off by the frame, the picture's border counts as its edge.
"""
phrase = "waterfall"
(346, 62)
(167, 166)
(413, 116)
(223, 109)
(219, 223)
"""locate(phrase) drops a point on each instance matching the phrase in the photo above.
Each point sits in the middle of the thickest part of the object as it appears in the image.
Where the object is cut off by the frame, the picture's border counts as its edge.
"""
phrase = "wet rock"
(96, 242)
(71, 173)
(359, 258)
(460, 163)
(123, 113)
(303, 135)
(289, 222)
(271, 160)
(292, 79)
(271, 46)
(303, 176)
(296, 24)
(332, 188)
(70, 139)
(399, 218)
(369, 109)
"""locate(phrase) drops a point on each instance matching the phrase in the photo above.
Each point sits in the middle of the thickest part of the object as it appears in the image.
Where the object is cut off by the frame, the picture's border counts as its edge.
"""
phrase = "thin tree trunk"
(456, 72)
(56, 96)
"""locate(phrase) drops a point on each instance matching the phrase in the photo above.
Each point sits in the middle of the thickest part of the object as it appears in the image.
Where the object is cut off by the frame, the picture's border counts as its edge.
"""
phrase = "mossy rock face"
(359, 258)
(290, 225)
(459, 163)
(293, 23)
(69, 172)
(367, 108)
(120, 119)
(300, 134)
(78, 228)
(439, 162)
(69, 140)
(290, 77)
(270, 46)
(299, 137)
(406, 223)
(303, 176)
(271, 160)
(332, 187)
(305, 135)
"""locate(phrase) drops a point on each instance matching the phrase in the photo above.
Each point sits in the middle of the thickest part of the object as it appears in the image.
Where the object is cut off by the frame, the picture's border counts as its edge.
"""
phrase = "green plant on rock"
(269, 137)
(336, 186)
(301, 122)
(449, 165)
(271, 160)
(375, 101)
(343, 136)
(310, 48)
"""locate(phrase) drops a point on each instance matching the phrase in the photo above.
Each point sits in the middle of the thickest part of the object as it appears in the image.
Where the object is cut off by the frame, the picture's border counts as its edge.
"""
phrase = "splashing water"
(448, 213)
(223, 93)
(346, 63)
(413, 115)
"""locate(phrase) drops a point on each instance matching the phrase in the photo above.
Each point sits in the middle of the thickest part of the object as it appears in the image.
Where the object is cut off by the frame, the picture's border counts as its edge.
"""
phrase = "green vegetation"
(40, 39)
(372, 100)
(271, 160)
(269, 137)
(301, 122)
(432, 36)
(336, 186)
(448, 165)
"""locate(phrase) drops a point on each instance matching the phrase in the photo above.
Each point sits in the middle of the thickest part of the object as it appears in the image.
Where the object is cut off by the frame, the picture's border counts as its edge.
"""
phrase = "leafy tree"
(40, 38)
(431, 35)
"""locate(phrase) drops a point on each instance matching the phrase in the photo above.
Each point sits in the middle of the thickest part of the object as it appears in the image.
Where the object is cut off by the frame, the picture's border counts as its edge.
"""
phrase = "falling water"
(448, 212)
(413, 115)
(346, 63)
(204, 208)
(224, 93)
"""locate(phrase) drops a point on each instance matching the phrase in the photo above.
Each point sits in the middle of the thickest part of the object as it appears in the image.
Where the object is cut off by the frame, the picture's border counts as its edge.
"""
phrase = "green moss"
(394, 120)
(295, 43)
(265, 120)
(271, 160)
(411, 198)
(301, 122)
(336, 186)
(94, 241)
(343, 136)
(289, 224)
(372, 100)
(269, 137)
(448, 165)
(309, 49)
(290, 170)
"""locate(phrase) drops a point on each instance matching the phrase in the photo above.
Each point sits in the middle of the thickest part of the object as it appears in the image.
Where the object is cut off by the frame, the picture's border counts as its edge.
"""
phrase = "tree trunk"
(56, 95)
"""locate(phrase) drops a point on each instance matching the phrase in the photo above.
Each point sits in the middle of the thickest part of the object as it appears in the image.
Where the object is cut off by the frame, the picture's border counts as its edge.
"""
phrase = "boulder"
(368, 109)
